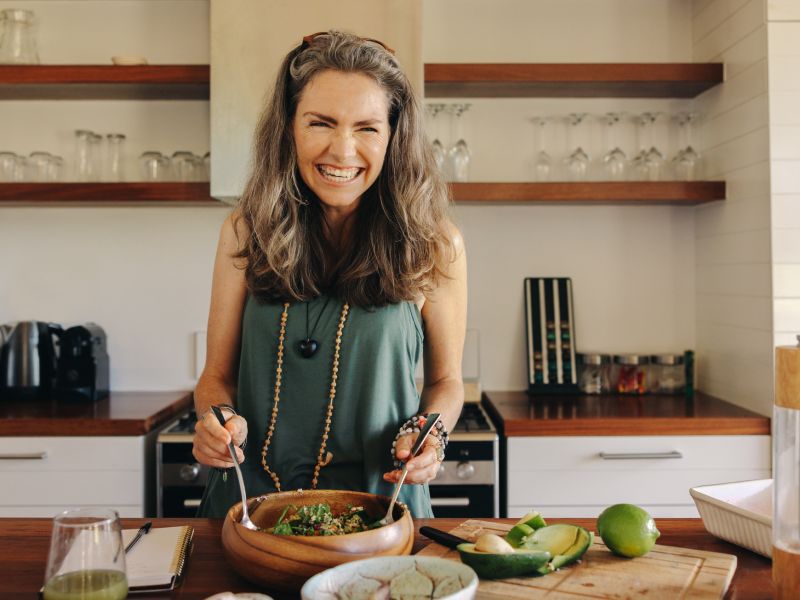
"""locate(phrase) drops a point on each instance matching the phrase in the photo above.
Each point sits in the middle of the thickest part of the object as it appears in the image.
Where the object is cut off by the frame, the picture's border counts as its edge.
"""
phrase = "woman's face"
(341, 131)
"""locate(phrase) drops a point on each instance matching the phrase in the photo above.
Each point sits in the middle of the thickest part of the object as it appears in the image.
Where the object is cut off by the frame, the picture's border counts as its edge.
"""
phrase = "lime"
(628, 530)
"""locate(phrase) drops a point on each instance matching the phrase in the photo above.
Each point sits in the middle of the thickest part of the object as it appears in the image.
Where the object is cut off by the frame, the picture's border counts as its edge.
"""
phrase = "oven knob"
(465, 470)
(189, 472)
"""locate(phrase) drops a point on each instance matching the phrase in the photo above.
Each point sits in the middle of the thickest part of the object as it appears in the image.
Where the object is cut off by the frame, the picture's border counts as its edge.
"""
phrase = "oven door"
(463, 501)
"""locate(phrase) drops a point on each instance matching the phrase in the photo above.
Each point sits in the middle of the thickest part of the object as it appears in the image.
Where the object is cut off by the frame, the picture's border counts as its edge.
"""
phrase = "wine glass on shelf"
(86, 558)
(648, 164)
(439, 153)
(542, 161)
(459, 152)
(687, 162)
(615, 163)
(577, 161)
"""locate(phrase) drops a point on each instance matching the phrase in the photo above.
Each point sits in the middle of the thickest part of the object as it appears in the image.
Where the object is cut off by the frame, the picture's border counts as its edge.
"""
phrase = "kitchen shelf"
(106, 194)
(104, 82)
(442, 80)
(570, 80)
(591, 192)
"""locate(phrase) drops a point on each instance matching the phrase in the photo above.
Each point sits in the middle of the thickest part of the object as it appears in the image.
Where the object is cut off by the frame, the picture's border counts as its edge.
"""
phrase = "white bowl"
(362, 578)
(739, 512)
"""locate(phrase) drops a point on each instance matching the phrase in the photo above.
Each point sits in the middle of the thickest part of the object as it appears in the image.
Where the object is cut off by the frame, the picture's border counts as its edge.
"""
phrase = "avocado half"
(542, 551)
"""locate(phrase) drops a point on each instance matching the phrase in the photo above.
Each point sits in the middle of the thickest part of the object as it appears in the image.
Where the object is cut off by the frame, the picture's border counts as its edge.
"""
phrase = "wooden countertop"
(518, 414)
(24, 544)
(122, 413)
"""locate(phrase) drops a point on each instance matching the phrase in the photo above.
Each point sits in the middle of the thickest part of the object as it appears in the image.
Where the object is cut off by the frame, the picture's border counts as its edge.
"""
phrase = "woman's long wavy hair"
(401, 243)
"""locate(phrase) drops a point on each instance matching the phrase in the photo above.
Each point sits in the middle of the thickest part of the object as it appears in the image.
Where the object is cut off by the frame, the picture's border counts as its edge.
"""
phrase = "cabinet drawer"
(643, 453)
(56, 454)
(75, 488)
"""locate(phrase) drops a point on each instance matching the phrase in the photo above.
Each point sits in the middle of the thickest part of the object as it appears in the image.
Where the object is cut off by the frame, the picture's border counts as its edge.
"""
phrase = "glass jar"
(115, 158)
(786, 474)
(667, 374)
(629, 373)
(594, 373)
(17, 41)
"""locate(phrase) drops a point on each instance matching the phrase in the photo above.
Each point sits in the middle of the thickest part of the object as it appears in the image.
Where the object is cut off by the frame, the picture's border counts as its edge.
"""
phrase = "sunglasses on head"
(310, 38)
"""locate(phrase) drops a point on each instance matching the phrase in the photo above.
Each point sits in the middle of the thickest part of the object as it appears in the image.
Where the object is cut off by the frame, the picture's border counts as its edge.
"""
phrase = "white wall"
(783, 31)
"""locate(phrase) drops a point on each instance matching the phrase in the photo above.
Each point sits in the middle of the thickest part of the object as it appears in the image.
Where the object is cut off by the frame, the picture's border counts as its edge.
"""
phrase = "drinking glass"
(114, 159)
(687, 161)
(184, 165)
(54, 168)
(439, 153)
(86, 559)
(577, 162)
(206, 166)
(154, 166)
(82, 154)
(38, 166)
(648, 164)
(17, 41)
(8, 166)
(615, 163)
(459, 152)
(542, 161)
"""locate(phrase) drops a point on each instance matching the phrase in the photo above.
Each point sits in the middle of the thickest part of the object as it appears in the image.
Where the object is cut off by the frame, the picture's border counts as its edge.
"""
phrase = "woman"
(337, 259)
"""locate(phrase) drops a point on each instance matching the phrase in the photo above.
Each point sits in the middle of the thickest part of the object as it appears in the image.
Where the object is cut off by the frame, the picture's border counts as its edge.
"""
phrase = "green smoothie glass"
(86, 559)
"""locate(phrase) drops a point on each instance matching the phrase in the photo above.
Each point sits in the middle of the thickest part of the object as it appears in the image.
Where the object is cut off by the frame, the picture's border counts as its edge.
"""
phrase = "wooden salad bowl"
(285, 562)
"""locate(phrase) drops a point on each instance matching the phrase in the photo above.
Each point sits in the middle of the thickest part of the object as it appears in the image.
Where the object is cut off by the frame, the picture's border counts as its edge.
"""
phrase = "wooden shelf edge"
(106, 194)
(590, 192)
(632, 80)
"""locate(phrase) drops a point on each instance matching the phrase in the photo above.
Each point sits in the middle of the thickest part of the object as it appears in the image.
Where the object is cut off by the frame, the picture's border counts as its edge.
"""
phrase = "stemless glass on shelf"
(577, 161)
(114, 159)
(17, 41)
(86, 558)
(542, 161)
(154, 166)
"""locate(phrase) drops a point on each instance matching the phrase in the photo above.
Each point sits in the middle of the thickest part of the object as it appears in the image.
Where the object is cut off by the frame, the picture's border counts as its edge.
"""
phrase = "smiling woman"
(339, 256)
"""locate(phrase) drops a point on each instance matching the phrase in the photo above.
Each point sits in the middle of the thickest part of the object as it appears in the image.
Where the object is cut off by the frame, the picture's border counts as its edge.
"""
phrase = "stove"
(467, 484)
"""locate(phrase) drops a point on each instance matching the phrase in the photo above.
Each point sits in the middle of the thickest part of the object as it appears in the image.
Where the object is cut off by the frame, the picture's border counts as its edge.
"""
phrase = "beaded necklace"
(323, 457)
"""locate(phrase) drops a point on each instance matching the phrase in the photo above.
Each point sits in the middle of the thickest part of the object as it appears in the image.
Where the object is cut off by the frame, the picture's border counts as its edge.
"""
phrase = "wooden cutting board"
(665, 572)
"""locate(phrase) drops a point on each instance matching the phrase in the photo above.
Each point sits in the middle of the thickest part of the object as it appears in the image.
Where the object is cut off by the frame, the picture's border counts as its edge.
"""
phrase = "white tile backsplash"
(786, 281)
(783, 10)
(787, 314)
(785, 176)
(786, 211)
(785, 246)
(736, 247)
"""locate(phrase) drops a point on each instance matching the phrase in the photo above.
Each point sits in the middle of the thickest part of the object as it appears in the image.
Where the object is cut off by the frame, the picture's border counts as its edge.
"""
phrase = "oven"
(467, 484)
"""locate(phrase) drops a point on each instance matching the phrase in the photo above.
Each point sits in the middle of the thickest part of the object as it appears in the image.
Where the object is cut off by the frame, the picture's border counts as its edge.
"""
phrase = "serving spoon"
(245, 521)
(430, 423)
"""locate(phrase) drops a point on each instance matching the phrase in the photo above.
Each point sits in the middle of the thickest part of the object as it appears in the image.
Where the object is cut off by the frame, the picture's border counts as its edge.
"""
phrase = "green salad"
(319, 519)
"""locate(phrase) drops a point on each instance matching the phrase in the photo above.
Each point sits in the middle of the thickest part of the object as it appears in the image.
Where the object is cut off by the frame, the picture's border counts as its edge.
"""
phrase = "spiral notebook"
(158, 559)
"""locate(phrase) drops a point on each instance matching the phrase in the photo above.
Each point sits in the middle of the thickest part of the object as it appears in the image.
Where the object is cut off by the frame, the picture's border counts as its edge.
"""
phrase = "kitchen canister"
(594, 373)
(786, 472)
(629, 373)
(667, 374)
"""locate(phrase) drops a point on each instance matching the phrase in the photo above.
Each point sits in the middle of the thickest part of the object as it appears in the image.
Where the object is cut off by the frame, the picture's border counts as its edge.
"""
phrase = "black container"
(82, 364)
(28, 360)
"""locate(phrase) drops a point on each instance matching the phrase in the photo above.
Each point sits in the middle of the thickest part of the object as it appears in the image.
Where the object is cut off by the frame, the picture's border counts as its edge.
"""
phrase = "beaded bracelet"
(414, 425)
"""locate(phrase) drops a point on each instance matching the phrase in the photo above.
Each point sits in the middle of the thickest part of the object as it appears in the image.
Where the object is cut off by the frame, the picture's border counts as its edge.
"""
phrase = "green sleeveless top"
(375, 394)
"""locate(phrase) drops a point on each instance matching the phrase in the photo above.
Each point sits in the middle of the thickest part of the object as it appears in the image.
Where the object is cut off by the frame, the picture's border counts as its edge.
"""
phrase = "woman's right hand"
(210, 443)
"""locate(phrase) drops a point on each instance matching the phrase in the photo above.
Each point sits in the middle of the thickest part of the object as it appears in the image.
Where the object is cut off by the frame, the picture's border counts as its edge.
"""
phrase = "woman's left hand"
(423, 467)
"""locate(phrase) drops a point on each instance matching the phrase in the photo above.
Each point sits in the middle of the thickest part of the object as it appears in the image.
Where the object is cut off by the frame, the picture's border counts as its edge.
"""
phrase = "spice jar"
(629, 374)
(594, 373)
(667, 374)
(786, 474)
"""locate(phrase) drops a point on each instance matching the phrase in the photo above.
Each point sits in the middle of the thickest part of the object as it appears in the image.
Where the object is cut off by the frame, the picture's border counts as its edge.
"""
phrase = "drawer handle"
(191, 503)
(639, 455)
(449, 501)
(24, 456)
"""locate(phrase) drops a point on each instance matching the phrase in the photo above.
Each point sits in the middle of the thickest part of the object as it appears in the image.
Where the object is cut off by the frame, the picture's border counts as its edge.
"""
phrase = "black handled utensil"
(442, 537)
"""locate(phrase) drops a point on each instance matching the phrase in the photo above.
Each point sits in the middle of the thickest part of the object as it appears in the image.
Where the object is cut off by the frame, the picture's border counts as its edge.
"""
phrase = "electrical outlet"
(199, 353)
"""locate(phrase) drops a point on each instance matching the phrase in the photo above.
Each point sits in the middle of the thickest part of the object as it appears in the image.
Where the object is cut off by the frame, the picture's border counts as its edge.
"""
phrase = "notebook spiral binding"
(182, 551)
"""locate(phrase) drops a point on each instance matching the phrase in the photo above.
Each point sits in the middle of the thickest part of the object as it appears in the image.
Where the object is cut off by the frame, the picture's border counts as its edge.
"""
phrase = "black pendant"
(308, 347)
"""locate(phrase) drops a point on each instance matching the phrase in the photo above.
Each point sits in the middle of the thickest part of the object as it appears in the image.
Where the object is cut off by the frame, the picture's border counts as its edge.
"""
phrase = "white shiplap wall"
(783, 27)
(734, 332)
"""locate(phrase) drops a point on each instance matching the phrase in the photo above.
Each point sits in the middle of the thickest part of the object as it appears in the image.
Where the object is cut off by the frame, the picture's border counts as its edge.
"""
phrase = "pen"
(142, 531)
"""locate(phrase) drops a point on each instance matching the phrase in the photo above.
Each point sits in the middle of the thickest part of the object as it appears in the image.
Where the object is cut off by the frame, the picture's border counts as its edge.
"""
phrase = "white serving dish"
(739, 512)
(329, 584)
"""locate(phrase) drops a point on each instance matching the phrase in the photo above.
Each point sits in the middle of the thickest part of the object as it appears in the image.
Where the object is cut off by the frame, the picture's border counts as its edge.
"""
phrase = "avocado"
(533, 519)
(566, 543)
(518, 533)
(498, 566)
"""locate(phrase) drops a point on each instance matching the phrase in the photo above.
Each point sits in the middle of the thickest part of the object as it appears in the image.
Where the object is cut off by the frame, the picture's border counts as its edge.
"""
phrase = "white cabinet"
(566, 476)
(45, 475)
